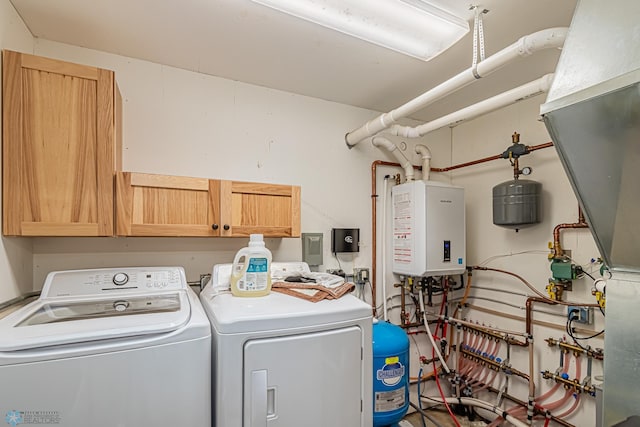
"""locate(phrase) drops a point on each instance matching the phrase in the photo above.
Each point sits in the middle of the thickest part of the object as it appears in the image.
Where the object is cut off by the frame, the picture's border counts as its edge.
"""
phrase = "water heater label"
(402, 228)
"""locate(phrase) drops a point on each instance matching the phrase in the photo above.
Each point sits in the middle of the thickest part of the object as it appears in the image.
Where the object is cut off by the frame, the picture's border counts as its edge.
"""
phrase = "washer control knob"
(120, 279)
(121, 306)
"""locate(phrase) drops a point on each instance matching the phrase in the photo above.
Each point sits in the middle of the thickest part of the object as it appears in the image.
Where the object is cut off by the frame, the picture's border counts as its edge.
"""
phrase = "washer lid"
(48, 322)
(276, 311)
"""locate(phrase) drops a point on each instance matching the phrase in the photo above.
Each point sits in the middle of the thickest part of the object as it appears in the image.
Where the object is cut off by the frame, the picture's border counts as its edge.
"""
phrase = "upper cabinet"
(61, 147)
(163, 205)
(269, 209)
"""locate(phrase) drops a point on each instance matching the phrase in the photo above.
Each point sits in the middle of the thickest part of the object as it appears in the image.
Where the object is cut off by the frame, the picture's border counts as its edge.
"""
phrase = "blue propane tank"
(390, 374)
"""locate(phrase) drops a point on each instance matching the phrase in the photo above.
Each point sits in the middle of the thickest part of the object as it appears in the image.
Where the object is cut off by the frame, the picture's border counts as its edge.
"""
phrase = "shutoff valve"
(599, 291)
(555, 290)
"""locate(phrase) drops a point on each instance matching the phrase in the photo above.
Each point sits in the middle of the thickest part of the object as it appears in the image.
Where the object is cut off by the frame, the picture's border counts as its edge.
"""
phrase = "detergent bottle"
(251, 271)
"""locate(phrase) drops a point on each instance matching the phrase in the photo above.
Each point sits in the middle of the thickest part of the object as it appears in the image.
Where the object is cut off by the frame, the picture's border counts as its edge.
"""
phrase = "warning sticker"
(402, 229)
(387, 401)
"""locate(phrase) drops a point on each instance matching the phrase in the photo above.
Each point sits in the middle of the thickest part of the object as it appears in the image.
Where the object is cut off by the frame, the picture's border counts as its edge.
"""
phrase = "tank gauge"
(526, 171)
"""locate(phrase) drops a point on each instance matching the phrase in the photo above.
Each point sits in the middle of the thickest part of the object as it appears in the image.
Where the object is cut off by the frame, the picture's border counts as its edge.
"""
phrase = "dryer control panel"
(104, 281)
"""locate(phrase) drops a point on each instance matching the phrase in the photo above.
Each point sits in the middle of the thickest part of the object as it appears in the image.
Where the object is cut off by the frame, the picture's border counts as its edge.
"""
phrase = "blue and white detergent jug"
(251, 271)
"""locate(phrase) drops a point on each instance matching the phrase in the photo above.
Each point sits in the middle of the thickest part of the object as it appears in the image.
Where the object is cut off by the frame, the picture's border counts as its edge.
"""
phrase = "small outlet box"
(361, 275)
(582, 315)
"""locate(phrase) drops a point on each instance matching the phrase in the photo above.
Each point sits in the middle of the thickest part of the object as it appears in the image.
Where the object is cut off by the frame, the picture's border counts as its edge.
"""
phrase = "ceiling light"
(416, 28)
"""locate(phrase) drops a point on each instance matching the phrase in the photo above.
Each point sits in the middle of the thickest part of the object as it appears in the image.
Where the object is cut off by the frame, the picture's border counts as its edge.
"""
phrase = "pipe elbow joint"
(543, 39)
(382, 142)
(424, 151)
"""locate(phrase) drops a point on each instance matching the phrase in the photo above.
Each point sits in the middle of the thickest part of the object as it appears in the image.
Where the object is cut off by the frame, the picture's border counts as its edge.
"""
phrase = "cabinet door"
(58, 147)
(162, 205)
(269, 209)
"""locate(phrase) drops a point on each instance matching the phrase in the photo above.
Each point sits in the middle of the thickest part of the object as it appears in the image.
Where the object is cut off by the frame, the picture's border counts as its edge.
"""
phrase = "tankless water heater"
(428, 229)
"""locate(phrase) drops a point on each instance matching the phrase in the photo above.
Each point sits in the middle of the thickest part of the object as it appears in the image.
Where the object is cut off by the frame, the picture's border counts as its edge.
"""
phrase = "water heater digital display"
(428, 229)
(447, 251)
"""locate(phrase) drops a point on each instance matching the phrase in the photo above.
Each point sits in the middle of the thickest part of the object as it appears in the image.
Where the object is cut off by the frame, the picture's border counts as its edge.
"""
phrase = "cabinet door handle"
(226, 226)
(215, 226)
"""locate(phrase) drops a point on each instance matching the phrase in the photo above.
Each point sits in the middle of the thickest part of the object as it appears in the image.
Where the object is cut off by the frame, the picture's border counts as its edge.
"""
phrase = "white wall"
(16, 268)
(184, 123)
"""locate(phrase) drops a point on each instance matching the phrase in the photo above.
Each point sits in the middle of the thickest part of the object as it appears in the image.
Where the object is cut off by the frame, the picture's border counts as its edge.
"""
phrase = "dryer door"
(315, 380)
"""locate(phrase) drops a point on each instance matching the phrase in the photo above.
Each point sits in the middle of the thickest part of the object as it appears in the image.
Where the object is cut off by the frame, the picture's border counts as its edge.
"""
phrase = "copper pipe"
(522, 319)
(464, 165)
(490, 158)
(529, 329)
(541, 296)
(374, 196)
(529, 308)
(557, 248)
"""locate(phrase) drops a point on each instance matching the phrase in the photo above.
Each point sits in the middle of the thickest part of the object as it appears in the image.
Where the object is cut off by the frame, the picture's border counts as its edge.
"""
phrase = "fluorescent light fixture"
(416, 28)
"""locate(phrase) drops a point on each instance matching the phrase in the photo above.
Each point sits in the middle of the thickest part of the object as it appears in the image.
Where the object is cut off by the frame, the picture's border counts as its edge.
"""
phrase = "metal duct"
(593, 116)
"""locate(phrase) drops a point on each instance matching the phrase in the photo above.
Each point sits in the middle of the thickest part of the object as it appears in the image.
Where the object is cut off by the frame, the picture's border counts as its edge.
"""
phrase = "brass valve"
(555, 291)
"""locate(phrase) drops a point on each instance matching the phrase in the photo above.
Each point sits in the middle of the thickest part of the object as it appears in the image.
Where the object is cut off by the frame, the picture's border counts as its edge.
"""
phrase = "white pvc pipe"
(525, 46)
(383, 251)
(484, 405)
(382, 142)
(424, 151)
(512, 96)
(430, 335)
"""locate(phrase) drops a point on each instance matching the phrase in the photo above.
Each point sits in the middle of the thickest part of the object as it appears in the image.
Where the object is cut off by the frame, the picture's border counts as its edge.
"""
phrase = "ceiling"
(244, 41)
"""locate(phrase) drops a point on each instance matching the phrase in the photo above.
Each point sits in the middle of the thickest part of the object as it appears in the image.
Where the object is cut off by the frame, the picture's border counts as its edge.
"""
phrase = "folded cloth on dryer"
(313, 292)
(325, 279)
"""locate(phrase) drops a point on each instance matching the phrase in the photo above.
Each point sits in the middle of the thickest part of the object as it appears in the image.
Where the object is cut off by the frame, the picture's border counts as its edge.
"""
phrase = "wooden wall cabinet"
(163, 205)
(269, 209)
(61, 147)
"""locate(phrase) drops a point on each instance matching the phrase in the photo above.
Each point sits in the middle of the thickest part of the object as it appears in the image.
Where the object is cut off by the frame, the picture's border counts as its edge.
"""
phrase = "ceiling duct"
(592, 113)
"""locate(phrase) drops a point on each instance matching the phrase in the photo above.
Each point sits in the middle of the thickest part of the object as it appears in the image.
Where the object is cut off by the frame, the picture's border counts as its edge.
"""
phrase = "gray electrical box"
(312, 248)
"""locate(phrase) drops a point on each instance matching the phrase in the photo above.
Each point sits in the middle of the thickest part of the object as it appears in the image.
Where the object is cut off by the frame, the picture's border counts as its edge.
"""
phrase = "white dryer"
(110, 347)
(281, 361)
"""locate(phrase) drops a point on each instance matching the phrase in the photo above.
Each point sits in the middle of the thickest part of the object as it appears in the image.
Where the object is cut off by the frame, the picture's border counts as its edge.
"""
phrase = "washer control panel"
(102, 281)
(120, 279)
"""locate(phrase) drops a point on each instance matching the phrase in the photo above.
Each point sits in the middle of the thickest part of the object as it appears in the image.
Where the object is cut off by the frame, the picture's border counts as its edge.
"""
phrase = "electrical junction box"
(428, 229)
(582, 315)
(312, 248)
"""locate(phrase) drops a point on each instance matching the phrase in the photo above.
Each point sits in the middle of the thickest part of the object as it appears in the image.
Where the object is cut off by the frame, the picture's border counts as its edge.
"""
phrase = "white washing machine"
(281, 361)
(126, 347)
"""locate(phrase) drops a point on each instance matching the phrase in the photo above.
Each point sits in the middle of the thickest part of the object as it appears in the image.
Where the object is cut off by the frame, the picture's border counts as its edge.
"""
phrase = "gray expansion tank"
(516, 203)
